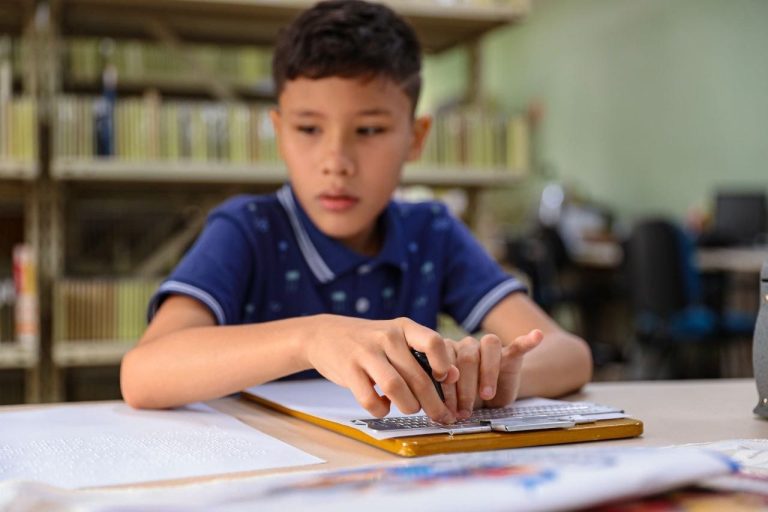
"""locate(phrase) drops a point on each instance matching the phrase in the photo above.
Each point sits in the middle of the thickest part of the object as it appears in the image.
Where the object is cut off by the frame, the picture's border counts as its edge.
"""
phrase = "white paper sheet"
(533, 479)
(324, 399)
(108, 444)
(752, 457)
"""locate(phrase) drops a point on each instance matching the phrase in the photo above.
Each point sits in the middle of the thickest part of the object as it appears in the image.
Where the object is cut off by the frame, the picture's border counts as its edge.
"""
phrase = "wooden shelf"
(181, 86)
(265, 174)
(257, 21)
(14, 355)
(17, 170)
(90, 352)
(13, 15)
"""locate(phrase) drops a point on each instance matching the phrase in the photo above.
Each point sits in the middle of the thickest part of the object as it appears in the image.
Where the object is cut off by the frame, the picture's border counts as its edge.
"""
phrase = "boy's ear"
(421, 126)
(274, 116)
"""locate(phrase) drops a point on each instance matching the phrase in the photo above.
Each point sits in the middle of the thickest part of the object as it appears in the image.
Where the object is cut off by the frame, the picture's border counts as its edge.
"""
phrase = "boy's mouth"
(338, 202)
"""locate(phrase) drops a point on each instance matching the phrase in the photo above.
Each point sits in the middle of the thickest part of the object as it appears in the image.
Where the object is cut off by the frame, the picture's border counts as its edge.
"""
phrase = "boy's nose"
(338, 162)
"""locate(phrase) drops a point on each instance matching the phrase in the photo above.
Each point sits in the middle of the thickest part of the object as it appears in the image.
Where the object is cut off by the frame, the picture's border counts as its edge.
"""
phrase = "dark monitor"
(741, 217)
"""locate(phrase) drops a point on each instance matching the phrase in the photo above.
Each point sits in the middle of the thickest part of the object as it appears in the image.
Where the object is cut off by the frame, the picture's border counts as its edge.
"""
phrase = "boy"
(330, 274)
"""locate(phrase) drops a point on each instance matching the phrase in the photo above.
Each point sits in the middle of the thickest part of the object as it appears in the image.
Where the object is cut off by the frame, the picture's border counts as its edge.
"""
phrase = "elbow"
(131, 384)
(584, 367)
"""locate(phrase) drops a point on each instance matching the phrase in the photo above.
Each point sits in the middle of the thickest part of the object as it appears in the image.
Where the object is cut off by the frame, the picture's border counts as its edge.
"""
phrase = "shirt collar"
(328, 258)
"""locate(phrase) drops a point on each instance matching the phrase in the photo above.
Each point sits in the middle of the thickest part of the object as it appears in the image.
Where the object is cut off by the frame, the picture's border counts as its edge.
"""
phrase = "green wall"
(649, 104)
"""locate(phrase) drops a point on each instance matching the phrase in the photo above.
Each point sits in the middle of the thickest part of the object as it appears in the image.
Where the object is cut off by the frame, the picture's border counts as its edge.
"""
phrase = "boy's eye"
(370, 130)
(308, 129)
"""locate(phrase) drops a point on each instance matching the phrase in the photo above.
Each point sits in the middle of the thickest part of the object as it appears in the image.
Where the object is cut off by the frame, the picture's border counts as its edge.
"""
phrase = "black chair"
(557, 282)
(677, 335)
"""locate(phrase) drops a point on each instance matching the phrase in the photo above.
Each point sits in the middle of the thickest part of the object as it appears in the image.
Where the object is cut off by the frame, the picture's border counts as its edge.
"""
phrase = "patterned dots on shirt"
(261, 224)
(441, 223)
(388, 297)
(253, 207)
(413, 247)
(362, 305)
(428, 271)
(338, 301)
(420, 301)
(292, 280)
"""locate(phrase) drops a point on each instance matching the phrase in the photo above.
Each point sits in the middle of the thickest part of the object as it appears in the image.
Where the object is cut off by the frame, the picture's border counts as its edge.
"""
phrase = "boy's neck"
(367, 244)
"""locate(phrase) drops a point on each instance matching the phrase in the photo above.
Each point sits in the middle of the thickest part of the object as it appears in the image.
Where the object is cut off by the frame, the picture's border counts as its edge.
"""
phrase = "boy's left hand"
(489, 371)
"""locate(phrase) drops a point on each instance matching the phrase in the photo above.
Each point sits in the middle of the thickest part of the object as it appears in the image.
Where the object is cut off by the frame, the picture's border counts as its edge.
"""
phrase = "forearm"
(561, 364)
(201, 363)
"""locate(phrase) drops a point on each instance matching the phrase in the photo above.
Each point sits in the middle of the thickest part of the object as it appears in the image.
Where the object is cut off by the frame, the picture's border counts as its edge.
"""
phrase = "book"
(26, 307)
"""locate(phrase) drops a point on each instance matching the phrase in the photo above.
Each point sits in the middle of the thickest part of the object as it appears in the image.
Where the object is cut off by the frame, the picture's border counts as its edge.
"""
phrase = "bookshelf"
(438, 25)
(19, 172)
(14, 14)
(108, 170)
(78, 184)
(15, 170)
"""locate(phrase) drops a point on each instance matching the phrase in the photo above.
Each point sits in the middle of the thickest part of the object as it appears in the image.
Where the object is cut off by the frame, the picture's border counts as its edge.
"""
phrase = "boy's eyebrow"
(376, 111)
(305, 113)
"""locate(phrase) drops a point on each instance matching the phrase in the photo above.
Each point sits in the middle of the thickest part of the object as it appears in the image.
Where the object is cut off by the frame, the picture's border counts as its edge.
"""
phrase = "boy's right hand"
(359, 354)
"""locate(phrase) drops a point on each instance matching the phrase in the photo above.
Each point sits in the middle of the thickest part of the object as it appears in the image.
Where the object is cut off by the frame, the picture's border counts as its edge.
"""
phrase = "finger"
(431, 343)
(418, 381)
(468, 361)
(490, 365)
(453, 372)
(391, 382)
(449, 388)
(524, 344)
(362, 388)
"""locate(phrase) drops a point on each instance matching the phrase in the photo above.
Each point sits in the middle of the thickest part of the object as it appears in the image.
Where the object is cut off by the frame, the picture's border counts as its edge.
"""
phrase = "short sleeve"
(474, 283)
(217, 271)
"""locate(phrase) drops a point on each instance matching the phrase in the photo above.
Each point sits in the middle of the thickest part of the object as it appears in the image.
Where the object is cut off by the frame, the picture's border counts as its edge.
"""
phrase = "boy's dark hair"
(349, 39)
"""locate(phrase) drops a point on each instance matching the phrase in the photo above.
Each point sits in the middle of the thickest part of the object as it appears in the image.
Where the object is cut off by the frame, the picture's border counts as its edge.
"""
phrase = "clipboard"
(433, 444)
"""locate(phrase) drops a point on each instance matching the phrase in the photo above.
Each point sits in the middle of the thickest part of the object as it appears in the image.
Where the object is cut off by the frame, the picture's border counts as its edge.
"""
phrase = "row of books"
(13, 54)
(18, 130)
(101, 309)
(145, 129)
(18, 300)
(7, 311)
(151, 129)
(478, 138)
(145, 61)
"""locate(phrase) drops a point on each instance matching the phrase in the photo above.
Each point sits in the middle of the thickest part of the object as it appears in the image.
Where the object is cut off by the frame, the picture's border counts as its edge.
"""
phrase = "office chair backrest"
(658, 277)
(740, 217)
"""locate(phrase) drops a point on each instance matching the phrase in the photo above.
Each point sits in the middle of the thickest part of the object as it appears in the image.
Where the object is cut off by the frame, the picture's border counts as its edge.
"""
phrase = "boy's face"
(345, 141)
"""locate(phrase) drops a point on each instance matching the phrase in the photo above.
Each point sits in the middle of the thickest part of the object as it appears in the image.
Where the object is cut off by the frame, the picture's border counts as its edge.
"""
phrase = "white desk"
(674, 412)
(747, 260)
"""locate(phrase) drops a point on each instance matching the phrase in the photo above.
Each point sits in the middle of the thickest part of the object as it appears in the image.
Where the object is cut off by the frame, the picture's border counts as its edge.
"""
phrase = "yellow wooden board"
(432, 444)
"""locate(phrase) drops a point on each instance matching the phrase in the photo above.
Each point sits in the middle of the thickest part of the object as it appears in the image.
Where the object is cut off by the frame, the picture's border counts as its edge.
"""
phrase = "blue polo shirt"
(260, 258)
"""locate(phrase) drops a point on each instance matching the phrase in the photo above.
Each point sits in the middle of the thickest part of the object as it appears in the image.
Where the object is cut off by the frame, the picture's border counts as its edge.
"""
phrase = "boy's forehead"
(357, 95)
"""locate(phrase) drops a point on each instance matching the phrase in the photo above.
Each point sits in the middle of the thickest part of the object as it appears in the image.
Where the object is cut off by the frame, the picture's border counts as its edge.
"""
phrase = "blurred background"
(612, 153)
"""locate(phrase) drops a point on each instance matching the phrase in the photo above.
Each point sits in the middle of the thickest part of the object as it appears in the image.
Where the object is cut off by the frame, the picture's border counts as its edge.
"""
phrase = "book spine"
(26, 309)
